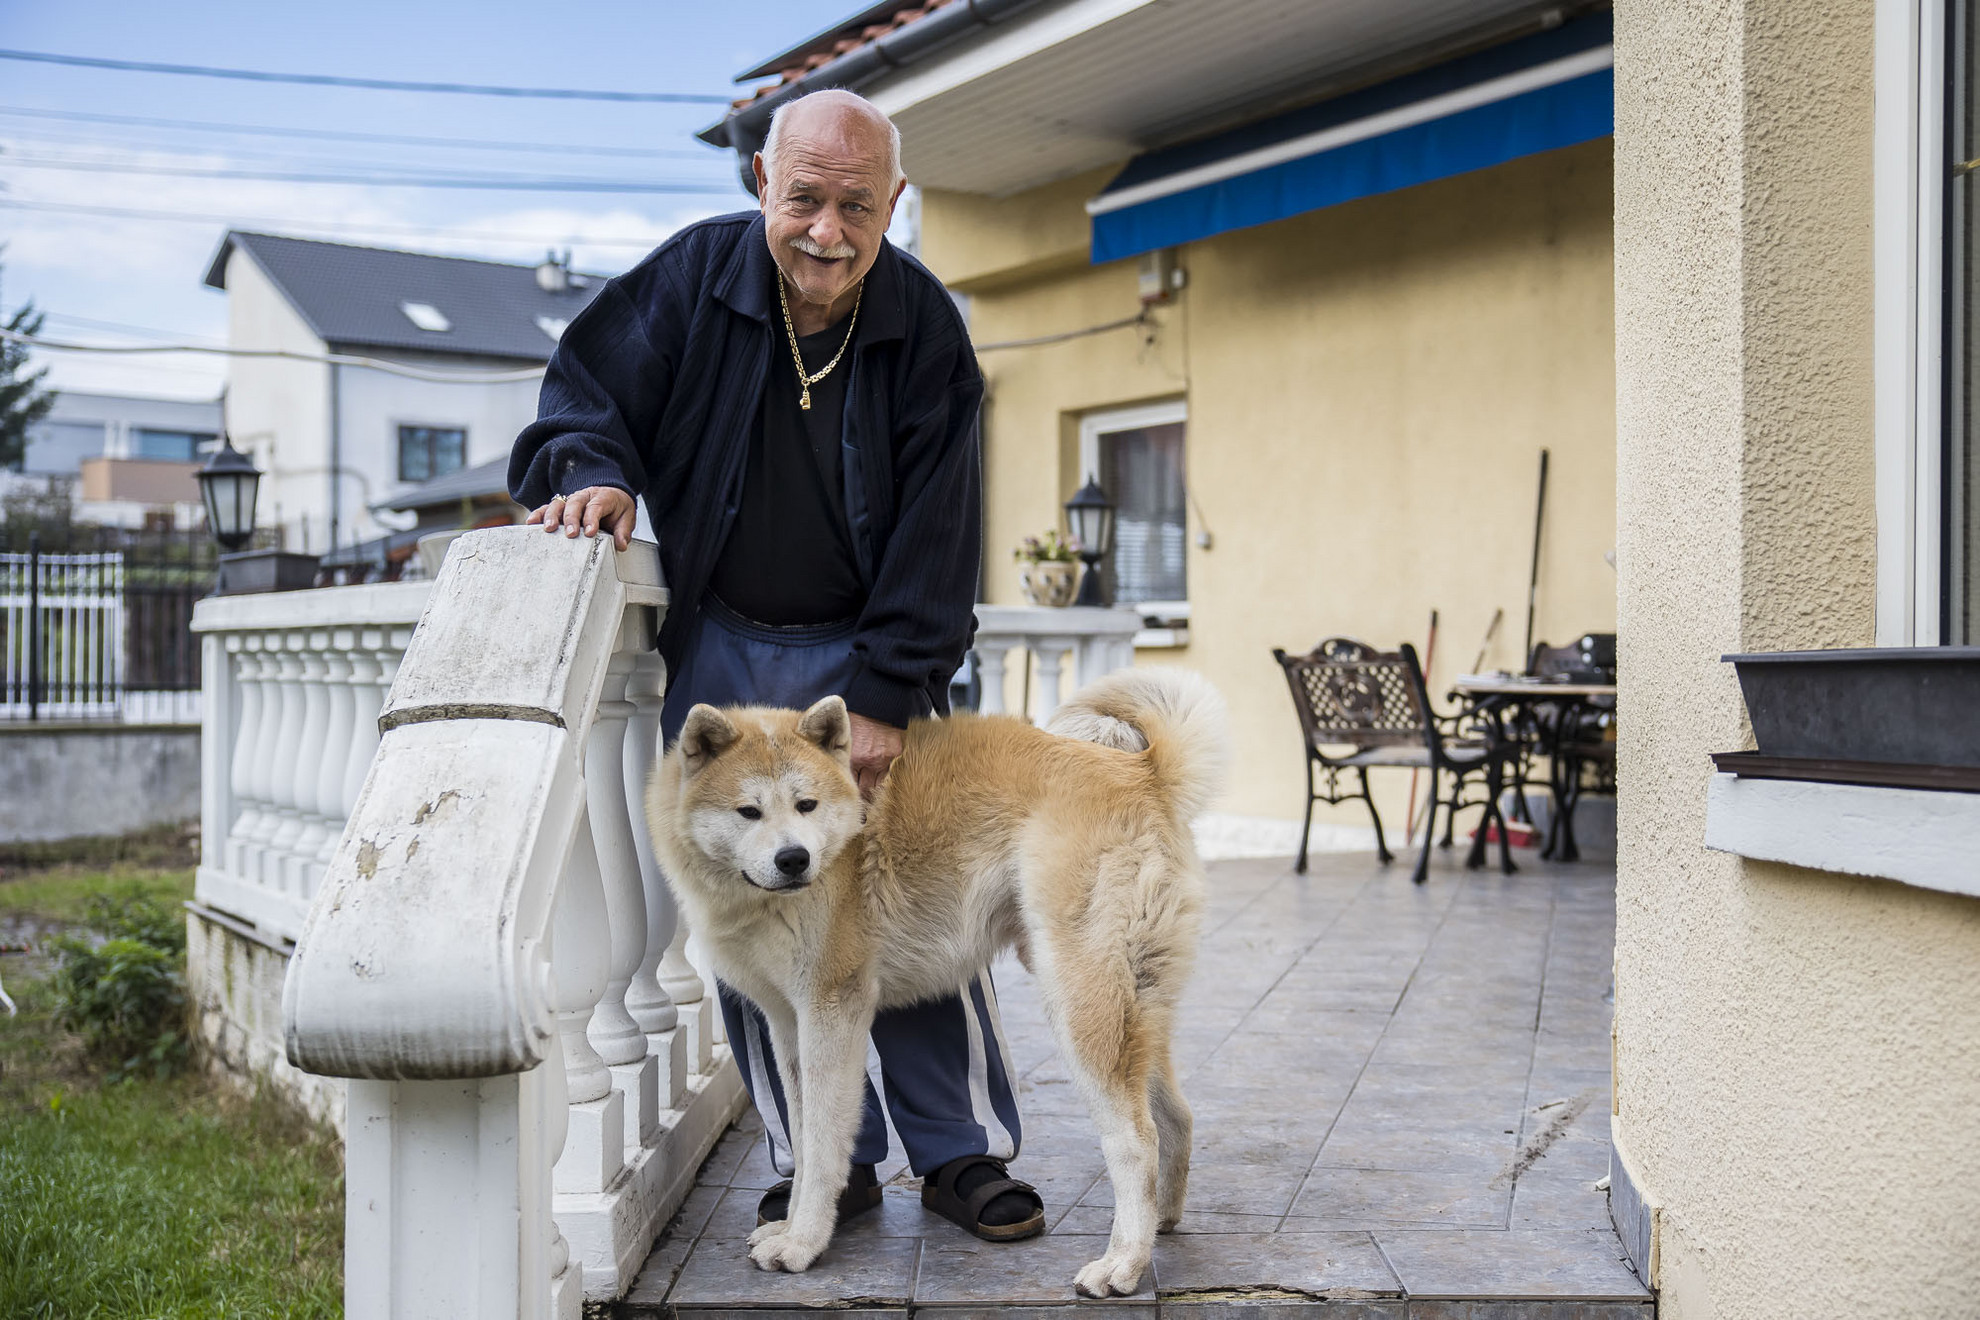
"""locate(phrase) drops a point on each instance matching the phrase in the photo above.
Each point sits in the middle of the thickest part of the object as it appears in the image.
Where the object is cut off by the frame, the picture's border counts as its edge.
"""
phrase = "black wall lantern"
(227, 486)
(1090, 518)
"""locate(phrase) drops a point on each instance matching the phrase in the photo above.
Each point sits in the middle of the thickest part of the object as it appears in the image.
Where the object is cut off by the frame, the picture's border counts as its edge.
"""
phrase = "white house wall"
(374, 404)
(279, 411)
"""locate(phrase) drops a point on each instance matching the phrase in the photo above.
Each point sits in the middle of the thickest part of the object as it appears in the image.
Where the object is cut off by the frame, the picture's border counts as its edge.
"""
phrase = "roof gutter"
(743, 131)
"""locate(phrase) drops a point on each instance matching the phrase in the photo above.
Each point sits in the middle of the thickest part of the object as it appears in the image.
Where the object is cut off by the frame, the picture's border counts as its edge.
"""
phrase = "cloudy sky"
(116, 186)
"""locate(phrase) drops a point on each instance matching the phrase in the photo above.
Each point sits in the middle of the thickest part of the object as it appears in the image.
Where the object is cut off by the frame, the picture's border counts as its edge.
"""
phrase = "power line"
(60, 146)
(57, 145)
(333, 359)
(320, 226)
(373, 84)
(297, 155)
(511, 183)
(341, 135)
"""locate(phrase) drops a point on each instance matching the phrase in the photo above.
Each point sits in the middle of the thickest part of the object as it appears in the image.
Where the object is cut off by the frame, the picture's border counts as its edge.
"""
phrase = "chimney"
(553, 274)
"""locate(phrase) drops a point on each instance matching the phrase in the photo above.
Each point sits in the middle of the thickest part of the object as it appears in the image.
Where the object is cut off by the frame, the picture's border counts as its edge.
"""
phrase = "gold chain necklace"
(805, 382)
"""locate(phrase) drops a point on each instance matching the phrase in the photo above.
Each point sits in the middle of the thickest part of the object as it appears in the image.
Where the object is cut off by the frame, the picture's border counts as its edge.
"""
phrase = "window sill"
(1915, 836)
(1162, 639)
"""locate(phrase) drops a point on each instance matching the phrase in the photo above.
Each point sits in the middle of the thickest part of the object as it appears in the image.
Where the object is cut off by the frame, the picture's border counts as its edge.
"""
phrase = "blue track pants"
(942, 1064)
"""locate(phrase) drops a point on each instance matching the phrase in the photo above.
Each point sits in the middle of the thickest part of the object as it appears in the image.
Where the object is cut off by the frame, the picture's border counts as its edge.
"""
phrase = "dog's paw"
(1167, 1225)
(785, 1251)
(1111, 1276)
(764, 1232)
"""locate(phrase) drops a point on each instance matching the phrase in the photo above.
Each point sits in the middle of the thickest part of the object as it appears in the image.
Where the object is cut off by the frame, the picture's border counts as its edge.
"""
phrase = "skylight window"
(553, 325)
(426, 316)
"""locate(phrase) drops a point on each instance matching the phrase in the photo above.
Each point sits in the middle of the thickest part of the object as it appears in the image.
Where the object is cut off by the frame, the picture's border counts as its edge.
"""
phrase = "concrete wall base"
(234, 977)
(69, 781)
(1633, 1214)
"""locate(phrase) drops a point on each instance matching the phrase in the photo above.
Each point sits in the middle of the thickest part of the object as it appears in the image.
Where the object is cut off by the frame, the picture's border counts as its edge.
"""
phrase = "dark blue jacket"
(655, 387)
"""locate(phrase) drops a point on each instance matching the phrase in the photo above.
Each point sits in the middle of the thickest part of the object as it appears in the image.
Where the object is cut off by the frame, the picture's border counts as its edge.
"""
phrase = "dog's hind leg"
(1174, 1128)
(1092, 1007)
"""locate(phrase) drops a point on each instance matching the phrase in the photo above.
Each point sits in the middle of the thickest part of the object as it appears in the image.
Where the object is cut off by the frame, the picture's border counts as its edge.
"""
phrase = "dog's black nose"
(793, 860)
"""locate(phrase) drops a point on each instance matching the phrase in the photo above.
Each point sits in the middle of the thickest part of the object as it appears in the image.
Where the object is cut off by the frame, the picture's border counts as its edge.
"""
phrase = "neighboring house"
(1373, 241)
(130, 460)
(336, 439)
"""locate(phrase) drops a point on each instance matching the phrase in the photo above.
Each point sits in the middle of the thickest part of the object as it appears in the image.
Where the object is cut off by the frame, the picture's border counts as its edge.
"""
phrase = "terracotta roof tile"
(841, 44)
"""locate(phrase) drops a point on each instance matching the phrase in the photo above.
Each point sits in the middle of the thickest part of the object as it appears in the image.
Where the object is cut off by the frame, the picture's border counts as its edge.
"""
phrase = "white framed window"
(426, 452)
(1927, 255)
(1136, 454)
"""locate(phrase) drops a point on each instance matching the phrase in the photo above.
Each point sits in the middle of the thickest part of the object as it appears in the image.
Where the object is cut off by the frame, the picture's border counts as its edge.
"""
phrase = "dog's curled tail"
(1174, 714)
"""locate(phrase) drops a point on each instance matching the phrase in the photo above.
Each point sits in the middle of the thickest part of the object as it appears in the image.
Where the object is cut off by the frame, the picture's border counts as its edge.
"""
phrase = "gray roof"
(490, 478)
(350, 296)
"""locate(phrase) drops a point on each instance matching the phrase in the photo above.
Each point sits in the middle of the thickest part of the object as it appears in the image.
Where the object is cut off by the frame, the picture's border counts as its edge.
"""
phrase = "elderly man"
(797, 401)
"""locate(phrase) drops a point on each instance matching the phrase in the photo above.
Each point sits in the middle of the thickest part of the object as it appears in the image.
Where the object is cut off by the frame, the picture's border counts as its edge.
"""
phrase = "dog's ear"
(828, 725)
(707, 733)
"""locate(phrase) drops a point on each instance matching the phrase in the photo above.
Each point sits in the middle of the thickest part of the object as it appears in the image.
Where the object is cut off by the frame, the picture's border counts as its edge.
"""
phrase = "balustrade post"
(581, 946)
(614, 1033)
(1051, 653)
(219, 743)
(245, 655)
(990, 666)
(310, 770)
(647, 999)
(367, 699)
(342, 703)
(284, 764)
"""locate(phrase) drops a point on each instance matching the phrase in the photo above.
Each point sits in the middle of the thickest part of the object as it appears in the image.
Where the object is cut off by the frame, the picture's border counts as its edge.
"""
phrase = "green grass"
(148, 1198)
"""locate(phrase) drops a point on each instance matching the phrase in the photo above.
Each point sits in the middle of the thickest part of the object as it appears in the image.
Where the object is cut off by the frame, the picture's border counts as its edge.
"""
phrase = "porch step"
(1402, 1113)
(901, 1260)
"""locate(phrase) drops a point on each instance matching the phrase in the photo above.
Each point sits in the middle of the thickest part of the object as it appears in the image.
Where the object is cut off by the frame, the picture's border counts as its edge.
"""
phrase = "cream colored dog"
(1072, 844)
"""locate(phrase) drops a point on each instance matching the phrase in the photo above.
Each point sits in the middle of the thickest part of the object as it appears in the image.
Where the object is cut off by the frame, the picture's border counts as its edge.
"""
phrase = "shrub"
(126, 996)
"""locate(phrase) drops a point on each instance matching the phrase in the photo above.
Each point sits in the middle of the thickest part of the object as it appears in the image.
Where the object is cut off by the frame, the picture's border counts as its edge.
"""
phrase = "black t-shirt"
(788, 558)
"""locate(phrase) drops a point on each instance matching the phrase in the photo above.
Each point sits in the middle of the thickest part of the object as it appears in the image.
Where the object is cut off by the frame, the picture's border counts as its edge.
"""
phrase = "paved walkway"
(1402, 1104)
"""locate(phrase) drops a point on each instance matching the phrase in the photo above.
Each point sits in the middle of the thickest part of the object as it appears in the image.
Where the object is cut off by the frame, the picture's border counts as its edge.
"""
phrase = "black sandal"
(938, 1193)
(862, 1192)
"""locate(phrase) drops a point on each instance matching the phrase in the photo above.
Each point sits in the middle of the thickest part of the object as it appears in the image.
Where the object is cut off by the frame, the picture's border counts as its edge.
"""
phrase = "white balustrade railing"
(1096, 641)
(434, 790)
(293, 686)
(447, 820)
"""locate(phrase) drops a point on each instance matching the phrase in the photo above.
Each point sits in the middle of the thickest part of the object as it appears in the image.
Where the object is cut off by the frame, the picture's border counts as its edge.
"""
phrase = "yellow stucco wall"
(1369, 389)
(1796, 1066)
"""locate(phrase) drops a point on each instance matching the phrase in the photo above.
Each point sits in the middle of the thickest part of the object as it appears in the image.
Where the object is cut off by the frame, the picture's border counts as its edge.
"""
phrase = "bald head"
(827, 179)
(839, 124)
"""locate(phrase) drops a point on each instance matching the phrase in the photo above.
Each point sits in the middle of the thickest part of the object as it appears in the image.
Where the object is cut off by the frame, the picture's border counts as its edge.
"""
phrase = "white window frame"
(399, 426)
(1092, 426)
(1909, 256)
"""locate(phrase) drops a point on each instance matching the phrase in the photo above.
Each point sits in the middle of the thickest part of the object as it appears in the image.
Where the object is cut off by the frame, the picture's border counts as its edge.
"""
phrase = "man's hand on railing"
(589, 510)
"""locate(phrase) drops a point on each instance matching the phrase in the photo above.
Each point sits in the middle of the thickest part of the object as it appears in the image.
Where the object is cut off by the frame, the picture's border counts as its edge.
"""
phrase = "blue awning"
(1535, 94)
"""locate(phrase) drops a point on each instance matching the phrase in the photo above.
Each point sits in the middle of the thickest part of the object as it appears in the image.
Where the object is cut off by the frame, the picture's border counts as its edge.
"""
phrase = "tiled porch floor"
(1402, 1104)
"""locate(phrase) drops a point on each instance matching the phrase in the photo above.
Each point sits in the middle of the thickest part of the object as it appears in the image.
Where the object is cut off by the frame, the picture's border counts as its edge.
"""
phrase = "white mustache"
(843, 251)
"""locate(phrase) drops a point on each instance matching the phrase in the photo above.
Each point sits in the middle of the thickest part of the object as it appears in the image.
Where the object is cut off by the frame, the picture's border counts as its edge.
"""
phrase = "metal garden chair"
(1361, 709)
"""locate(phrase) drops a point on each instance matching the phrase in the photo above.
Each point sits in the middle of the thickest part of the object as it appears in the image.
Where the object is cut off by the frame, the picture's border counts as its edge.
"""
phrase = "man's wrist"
(883, 700)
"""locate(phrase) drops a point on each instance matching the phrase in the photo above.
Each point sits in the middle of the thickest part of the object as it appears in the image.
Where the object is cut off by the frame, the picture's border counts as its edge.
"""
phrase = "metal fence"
(95, 624)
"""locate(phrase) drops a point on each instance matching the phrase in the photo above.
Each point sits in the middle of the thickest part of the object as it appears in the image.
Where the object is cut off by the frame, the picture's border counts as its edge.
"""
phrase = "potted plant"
(1048, 568)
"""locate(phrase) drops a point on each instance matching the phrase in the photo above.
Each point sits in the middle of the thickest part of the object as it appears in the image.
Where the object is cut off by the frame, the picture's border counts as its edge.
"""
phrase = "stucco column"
(1781, 1035)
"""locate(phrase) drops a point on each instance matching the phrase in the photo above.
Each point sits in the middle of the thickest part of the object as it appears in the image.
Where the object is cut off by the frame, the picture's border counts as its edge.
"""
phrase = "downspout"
(743, 131)
(336, 452)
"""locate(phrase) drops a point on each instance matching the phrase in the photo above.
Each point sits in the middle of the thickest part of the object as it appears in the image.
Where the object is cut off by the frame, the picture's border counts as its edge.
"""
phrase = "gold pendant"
(804, 400)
